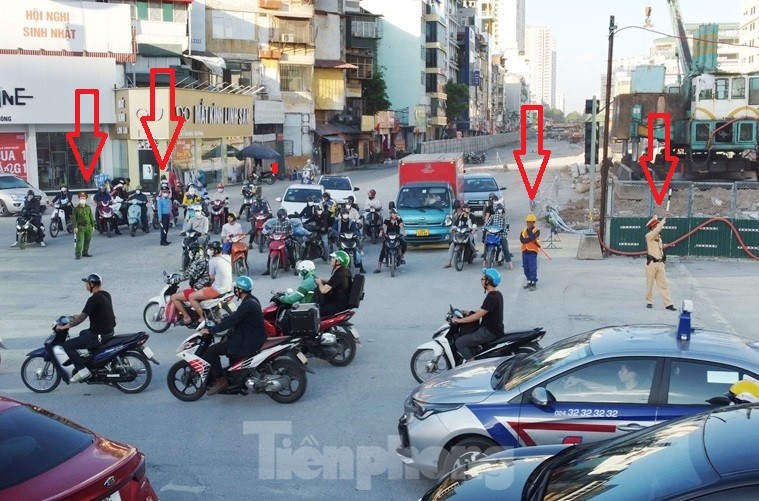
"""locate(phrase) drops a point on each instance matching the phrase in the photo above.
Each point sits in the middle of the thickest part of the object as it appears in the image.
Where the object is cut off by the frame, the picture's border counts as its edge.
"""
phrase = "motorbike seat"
(119, 339)
(273, 341)
(515, 336)
(210, 303)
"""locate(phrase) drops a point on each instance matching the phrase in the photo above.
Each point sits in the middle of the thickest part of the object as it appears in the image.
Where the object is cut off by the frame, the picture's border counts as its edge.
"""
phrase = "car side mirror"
(539, 396)
(721, 401)
(278, 199)
(355, 188)
(502, 188)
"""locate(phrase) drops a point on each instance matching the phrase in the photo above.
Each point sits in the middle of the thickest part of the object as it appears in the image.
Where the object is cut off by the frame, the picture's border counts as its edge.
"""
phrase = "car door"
(591, 402)
(688, 384)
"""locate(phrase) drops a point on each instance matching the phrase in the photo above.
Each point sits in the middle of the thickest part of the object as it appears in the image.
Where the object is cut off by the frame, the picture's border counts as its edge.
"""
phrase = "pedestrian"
(83, 222)
(655, 259)
(163, 206)
(530, 238)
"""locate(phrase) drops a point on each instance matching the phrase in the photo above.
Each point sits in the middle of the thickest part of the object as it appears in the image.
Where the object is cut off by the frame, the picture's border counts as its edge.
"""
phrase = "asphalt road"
(338, 441)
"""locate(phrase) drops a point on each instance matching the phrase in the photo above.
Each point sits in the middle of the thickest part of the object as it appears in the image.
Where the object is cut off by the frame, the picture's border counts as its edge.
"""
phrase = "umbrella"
(257, 151)
(216, 152)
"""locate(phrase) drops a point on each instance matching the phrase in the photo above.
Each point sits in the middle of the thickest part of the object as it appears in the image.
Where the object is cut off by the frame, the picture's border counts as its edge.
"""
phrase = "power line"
(692, 38)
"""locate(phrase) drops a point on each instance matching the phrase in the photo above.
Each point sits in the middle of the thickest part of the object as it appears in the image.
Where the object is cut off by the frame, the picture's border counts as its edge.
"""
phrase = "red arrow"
(649, 156)
(178, 119)
(72, 137)
(532, 191)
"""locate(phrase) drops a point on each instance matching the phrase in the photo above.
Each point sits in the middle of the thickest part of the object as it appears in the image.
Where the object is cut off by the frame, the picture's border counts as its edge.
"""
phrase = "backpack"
(357, 291)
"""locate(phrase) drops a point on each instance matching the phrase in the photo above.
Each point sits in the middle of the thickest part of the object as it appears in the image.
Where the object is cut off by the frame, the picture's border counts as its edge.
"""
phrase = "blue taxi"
(585, 388)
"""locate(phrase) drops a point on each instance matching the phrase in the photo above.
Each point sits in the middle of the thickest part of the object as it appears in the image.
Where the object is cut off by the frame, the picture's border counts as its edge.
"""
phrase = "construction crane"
(685, 59)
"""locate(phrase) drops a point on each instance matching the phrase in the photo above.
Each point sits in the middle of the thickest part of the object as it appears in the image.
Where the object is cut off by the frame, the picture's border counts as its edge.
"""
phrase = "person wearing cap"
(655, 258)
(489, 317)
(231, 229)
(464, 221)
(83, 223)
(392, 226)
(163, 206)
(530, 238)
(99, 309)
(63, 198)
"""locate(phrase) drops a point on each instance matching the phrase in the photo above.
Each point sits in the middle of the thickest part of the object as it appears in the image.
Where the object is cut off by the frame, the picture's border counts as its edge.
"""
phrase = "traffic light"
(588, 142)
(589, 106)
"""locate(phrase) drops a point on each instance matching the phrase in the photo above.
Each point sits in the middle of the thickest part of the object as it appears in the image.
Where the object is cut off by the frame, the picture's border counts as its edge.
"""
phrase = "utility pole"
(593, 160)
(605, 163)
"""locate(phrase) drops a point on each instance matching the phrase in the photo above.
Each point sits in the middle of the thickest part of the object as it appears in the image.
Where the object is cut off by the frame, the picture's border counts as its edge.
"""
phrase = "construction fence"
(631, 205)
(474, 143)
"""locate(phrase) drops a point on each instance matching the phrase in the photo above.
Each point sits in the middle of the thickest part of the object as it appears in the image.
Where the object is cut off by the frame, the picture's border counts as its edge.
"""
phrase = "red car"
(45, 456)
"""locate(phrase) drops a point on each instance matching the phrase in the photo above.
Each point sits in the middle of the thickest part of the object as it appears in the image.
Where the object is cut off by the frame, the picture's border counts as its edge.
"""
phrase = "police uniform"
(655, 270)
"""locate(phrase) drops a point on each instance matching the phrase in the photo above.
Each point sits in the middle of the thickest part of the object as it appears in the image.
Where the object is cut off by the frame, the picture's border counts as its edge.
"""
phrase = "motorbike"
(336, 338)
(308, 174)
(239, 255)
(474, 158)
(134, 216)
(106, 218)
(190, 237)
(267, 177)
(278, 259)
(313, 246)
(493, 253)
(348, 242)
(123, 361)
(392, 252)
(159, 316)
(217, 215)
(372, 223)
(278, 369)
(246, 203)
(462, 250)
(58, 217)
(257, 228)
(26, 231)
(439, 355)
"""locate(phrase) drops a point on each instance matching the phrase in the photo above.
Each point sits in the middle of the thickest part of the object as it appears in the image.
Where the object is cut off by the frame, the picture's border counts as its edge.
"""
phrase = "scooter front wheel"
(274, 267)
(185, 383)
(40, 375)
(458, 258)
(54, 227)
(154, 317)
(424, 366)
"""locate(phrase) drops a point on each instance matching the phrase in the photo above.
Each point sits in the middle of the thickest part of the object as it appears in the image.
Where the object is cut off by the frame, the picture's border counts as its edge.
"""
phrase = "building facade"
(540, 51)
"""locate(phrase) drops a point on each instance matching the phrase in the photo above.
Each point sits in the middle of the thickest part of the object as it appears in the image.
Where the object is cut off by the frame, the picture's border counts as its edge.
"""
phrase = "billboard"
(13, 154)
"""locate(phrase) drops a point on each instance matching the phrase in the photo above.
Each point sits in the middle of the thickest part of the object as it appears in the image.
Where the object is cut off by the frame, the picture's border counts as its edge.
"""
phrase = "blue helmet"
(492, 276)
(244, 283)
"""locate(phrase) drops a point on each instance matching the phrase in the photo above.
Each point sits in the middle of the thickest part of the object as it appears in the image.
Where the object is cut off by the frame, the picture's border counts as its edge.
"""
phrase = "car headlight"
(448, 220)
(17, 198)
(423, 410)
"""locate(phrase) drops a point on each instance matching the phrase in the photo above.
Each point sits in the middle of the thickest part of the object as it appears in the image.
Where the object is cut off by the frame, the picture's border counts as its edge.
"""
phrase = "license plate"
(354, 332)
(113, 497)
(422, 233)
(302, 358)
(147, 351)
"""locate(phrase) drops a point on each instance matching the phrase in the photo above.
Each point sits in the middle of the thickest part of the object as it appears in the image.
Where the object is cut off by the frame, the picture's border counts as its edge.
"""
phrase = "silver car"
(477, 188)
(13, 192)
(586, 388)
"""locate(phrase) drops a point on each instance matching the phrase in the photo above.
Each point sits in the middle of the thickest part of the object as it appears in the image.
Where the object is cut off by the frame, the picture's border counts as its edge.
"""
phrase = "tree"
(457, 101)
(374, 92)
(575, 117)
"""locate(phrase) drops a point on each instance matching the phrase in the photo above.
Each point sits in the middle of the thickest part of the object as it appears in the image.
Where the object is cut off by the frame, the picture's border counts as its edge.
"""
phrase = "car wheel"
(467, 450)
(4, 212)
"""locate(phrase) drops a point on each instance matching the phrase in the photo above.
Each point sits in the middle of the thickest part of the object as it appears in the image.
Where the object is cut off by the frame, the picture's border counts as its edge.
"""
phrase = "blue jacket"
(164, 206)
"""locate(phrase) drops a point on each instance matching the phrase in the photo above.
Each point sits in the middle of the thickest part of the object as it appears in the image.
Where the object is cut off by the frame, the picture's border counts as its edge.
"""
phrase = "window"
(292, 30)
(57, 164)
(430, 82)
(702, 132)
(738, 90)
(692, 383)
(168, 12)
(624, 381)
(365, 67)
(301, 195)
(229, 25)
(753, 90)
(142, 10)
(721, 85)
(745, 132)
(295, 78)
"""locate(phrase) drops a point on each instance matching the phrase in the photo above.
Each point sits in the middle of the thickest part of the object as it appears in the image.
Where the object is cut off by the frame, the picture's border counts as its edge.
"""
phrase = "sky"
(581, 29)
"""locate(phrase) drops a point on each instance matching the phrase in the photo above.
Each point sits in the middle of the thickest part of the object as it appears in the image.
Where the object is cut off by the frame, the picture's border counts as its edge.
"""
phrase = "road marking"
(182, 488)
(703, 298)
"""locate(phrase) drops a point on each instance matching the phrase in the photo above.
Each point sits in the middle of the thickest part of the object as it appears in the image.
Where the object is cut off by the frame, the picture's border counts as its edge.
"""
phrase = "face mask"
(344, 217)
(82, 201)
(209, 252)
(165, 195)
(310, 203)
(219, 190)
(199, 214)
(138, 191)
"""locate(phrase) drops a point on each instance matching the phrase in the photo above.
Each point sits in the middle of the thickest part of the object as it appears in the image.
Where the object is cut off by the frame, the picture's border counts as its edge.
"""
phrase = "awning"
(334, 64)
(159, 50)
(333, 129)
(213, 62)
(333, 139)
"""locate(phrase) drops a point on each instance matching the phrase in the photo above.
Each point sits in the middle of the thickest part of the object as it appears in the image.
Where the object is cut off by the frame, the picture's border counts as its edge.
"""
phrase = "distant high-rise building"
(540, 52)
(749, 36)
(509, 26)
(560, 102)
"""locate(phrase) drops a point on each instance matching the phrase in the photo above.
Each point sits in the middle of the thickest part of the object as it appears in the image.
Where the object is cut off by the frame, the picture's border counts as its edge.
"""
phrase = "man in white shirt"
(220, 272)
(229, 230)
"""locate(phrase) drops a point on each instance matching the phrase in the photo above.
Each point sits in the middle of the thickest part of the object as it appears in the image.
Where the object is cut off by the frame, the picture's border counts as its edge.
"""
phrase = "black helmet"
(30, 193)
(351, 199)
(492, 196)
(465, 206)
(281, 214)
(310, 199)
(93, 279)
(344, 211)
(215, 245)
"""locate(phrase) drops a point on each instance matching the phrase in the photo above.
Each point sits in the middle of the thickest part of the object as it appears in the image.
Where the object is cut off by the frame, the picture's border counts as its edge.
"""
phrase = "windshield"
(10, 182)
(424, 198)
(556, 355)
(336, 183)
(301, 195)
(614, 470)
(480, 185)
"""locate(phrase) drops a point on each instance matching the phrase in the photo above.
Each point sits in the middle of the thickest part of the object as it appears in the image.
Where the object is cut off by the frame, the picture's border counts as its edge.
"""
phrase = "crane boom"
(686, 61)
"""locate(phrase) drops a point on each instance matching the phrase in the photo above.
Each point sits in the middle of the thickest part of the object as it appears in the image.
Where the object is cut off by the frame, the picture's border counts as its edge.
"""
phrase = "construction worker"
(530, 238)
(655, 258)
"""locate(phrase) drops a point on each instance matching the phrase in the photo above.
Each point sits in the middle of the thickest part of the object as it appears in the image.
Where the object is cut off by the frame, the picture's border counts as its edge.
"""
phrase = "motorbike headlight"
(448, 220)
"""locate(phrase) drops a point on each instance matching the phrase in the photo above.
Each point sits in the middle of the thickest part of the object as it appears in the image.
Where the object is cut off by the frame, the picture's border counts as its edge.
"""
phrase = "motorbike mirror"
(391, 205)
(165, 274)
(539, 396)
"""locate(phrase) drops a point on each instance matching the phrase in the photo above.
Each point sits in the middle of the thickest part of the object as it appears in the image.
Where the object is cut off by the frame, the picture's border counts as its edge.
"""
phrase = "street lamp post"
(606, 161)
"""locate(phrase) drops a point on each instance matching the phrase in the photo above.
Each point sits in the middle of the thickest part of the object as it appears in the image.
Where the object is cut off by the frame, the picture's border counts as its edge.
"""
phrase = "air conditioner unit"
(287, 37)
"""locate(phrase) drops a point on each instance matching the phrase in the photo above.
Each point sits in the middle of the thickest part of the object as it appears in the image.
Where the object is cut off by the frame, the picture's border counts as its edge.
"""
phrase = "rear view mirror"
(721, 401)
(355, 188)
(539, 396)
(391, 205)
(502, 188)
(278, 199)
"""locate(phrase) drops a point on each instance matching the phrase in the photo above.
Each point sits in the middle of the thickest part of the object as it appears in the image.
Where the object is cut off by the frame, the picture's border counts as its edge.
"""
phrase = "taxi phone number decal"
(609, 413)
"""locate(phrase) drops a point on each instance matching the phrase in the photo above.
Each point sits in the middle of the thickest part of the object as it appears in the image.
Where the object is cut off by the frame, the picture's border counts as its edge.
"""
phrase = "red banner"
(13, 153)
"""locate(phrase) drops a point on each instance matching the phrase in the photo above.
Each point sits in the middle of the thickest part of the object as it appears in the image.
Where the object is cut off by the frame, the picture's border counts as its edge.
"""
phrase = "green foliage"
(458, 100)
(575, 117)
(374, 92)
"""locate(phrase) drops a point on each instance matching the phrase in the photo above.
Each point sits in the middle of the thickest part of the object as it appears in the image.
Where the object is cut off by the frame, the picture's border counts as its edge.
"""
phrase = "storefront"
(216, 126)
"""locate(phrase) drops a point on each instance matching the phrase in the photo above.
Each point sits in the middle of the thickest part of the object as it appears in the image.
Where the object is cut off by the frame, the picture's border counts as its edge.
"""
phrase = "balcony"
(270, 4)
(269, 54)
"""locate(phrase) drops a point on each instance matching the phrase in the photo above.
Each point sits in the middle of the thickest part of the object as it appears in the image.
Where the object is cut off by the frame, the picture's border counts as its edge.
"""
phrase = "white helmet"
(305, 268)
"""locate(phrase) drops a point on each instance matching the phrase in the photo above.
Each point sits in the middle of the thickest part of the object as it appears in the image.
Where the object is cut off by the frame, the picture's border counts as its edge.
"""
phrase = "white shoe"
(42, 244)
(15, 244)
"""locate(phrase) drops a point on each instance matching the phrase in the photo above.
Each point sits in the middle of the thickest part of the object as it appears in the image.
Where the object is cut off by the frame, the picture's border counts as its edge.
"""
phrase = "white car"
(296, 196)
(13, 191)
(339, 187)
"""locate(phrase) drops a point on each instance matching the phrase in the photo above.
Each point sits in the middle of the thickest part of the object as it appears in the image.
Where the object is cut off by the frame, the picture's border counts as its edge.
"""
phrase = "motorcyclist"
(247, 193)
(345, 225)
(353, 205)
(120, 191)
(309, 172)
(307, 213)
(31, 210)
(103, 197)
(336, 291)
(489, 209)
(231, 229)
(499, 222)
(464, 221)
(99, 309)
(245, 337)
(355, 216)
(259, 207)
(221, 196)
(191, 198)
(372, 201)
(196, 272)
(321, 222)
(330, 206)
(281, 224)
(220, 273)
(305, 291)
(63, 198)
(490, 313)
(197, 222)
(392, 226)
(142, 200)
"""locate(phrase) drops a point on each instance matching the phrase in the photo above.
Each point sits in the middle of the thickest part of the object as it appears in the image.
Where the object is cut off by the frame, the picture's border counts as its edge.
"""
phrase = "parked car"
(13, 192)
(46, 456)
(585, 388)
(708, 456)
(339, 187)
(296, 196)
(477, 187)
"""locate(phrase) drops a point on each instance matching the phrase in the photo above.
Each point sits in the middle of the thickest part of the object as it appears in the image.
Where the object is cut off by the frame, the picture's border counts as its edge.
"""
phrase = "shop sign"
(13, 154)
(66, 25)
